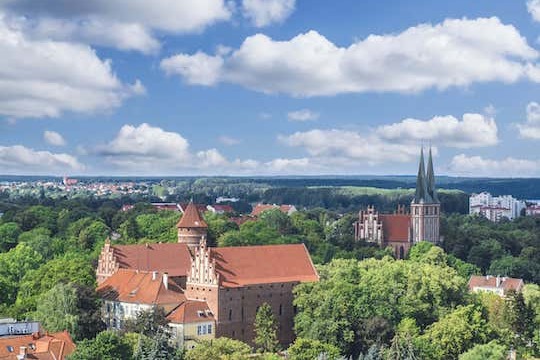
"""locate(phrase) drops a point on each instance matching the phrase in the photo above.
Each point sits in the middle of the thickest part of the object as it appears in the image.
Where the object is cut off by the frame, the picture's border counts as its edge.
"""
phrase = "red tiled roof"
(38, 346)
(191, 311)
(191, 218)
(242, 219)
(133, 286)
(173, 258)
(506, 283)
(245, 265)
(259, 208)
(396, 227)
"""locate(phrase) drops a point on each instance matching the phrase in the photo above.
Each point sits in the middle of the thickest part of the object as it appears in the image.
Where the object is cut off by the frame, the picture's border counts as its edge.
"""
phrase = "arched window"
(230, 314)
(401, 252)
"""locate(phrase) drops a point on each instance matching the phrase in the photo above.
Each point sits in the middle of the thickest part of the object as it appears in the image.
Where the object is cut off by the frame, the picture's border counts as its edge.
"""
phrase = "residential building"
(402, 229)
(36, 346)
(533, 210)
(260, 208)
(495, 208)
(495, 284)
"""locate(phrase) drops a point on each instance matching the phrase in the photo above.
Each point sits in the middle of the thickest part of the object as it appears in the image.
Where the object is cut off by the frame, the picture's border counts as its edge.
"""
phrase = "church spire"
(431, 179)
(422, 194)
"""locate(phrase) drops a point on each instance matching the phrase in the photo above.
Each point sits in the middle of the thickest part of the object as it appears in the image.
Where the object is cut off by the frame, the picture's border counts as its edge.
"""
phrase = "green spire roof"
(422, 194)
(431, 179)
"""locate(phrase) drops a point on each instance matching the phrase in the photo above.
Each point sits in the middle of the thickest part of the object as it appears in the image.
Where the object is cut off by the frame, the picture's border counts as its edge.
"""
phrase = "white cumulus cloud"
(265, 12)
(474, 130)
(53, 138)
(44, 78)
(303, 115)
(198, 69)
(146, 149)
(531, 128)
(478, 166)
(456, 52)
(124, 24)
(22, 160)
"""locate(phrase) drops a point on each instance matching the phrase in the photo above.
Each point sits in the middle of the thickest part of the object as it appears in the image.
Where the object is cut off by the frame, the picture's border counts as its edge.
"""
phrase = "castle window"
(280, 309)
(434, 211)
(242, 313)
(401, 252)
(233, 333)
(230, 314)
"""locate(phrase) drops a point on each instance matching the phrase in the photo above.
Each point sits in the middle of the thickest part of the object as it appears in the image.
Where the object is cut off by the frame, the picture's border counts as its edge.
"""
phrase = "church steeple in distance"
(430, 175)
(422, 195)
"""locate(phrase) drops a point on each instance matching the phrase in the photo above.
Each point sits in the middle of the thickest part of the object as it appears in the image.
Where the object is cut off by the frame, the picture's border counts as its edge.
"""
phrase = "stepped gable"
(248, 265)
(191, 218)
(173, 258)
(396, 227)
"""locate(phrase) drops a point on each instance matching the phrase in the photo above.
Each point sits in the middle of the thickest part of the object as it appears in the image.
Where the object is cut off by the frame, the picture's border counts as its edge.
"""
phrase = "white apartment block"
(495, 208)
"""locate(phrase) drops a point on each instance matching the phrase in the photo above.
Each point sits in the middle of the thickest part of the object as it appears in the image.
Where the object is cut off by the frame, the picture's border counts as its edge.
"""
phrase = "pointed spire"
(421, 194)
(191, 218)
(431, 179)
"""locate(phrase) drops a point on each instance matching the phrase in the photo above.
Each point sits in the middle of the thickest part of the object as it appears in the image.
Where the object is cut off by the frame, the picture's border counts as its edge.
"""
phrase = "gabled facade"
(401, 229)
(206, 291)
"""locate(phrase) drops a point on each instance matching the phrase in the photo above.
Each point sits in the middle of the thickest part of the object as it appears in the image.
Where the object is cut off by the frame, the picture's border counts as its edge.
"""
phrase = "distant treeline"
(331, 198)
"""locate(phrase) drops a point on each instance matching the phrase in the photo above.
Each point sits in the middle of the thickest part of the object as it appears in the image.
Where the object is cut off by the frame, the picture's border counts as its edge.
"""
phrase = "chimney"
(22, 353)
(154, 275)
(166, 280)
(498, 281)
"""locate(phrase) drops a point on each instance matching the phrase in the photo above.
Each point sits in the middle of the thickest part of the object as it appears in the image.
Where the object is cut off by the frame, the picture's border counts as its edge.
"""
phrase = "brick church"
(207, 292)
(402, 229)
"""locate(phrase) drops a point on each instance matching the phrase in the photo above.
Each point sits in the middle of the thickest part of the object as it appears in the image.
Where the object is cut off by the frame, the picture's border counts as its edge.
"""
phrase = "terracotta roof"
(191, 218)
(201, 207)
(242, 219)
(259, 208)
(245, 265)
(395, 227)
(489, 281)
(191, 311)
(38, 346)
(133, 286)
(173, 258)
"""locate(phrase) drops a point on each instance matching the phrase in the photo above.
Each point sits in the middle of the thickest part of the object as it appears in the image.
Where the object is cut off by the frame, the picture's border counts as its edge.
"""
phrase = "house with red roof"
(495, 284)
(36, 346)
(260, 208)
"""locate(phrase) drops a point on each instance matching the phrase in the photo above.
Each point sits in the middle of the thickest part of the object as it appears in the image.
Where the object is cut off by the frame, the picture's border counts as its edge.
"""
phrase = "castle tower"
(425, 207)
(191, 227)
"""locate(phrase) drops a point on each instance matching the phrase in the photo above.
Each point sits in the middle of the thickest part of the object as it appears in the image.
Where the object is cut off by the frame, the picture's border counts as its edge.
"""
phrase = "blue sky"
(269, 87)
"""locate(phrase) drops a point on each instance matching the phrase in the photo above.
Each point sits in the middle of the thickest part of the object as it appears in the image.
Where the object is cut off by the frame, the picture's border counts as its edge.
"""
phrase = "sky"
(269, 87)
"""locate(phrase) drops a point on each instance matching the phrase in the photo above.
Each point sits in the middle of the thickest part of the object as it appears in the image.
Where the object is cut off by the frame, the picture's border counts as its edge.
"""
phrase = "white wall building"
(495, 208)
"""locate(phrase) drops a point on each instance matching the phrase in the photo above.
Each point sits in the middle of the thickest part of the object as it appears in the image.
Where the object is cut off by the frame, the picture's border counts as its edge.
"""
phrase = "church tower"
(191, 227)
(425, 207)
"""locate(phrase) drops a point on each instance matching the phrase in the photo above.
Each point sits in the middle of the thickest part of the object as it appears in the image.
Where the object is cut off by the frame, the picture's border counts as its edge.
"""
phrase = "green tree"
(148, 323)
(57, 309)
(107, 345)
(489, 351)
(9, 232)
(265, 325)
(454, 334)
(308, 349)
(71, 268)
(219, 349)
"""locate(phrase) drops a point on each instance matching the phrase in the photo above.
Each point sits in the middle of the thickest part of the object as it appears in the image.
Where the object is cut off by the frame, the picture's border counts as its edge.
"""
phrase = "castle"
(402, 229)
(206, 292)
